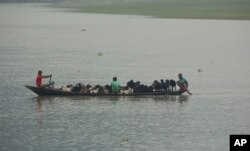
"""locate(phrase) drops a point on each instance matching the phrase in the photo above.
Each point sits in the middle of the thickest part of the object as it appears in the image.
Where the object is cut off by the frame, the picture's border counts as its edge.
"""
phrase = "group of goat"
(131, 87)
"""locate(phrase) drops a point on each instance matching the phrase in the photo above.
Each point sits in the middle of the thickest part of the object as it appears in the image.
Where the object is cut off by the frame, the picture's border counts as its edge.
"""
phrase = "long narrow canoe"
(59, 92)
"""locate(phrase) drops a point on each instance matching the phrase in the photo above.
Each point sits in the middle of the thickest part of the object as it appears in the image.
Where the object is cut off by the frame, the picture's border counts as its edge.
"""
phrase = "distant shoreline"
(192, 9)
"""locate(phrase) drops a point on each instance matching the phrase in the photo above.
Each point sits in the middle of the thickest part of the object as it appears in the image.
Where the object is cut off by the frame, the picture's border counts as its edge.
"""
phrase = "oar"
(51, 85)
(50, 79)
(189, 92)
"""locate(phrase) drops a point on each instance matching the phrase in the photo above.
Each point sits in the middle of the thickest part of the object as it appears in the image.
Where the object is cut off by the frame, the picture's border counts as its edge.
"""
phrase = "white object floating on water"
(124, 141)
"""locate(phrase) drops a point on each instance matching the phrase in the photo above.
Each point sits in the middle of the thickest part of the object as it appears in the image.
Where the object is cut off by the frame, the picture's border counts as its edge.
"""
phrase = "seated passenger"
(115, 86)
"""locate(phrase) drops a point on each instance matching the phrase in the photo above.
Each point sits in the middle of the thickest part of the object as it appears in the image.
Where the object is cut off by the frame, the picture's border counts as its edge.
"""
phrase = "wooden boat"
(59, 92)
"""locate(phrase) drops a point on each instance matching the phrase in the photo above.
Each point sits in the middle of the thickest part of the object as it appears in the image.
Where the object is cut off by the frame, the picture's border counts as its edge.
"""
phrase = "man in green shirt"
(115, 86)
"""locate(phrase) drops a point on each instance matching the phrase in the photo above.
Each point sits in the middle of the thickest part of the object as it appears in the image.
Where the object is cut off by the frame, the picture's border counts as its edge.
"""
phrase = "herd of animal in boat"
(131, 87)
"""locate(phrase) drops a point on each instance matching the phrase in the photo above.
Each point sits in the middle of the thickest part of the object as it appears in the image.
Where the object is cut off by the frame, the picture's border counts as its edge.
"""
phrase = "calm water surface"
(134, 47)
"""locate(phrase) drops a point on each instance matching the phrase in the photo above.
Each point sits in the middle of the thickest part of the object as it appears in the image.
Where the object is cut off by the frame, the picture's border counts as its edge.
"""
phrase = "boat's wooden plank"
(58, 92)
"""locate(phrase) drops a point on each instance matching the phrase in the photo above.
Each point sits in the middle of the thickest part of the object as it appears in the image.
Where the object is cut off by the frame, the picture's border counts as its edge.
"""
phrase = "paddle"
(50, 79)
(189, 92)
(50, 84)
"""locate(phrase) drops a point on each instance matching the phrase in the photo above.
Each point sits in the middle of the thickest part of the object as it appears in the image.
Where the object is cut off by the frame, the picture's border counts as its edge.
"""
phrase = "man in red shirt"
(39, 79)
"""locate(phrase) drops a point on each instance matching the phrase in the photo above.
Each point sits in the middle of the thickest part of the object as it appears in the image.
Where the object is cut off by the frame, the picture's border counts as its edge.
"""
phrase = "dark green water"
(133, 47)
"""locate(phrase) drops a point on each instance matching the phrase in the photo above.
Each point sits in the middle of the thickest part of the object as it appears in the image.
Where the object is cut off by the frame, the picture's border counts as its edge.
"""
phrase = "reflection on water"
(183, 98)
(39, 113)
(44, 103)
(110, 122)
(38, 104)
(171, 98)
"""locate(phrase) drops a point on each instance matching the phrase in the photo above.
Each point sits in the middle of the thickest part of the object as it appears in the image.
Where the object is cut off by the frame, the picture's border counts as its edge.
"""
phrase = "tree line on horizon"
(30, 1)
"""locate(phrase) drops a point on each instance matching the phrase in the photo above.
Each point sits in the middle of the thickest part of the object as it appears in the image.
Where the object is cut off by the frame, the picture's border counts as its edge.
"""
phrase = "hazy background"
(206, 9)
(202, 9)
(29, 1)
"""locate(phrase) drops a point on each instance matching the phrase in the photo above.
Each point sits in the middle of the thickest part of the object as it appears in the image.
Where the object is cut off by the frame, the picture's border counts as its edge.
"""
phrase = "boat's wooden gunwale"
(58, 92)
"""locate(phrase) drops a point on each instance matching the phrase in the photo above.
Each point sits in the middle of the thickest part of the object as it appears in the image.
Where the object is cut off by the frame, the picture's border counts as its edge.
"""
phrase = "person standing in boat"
(115, 86)
(182, 83)
(39, 78)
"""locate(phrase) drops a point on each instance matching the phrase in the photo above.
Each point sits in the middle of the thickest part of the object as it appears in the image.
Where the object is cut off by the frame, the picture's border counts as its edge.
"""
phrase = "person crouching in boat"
(115, 86)
(39, 78)
(182, 83)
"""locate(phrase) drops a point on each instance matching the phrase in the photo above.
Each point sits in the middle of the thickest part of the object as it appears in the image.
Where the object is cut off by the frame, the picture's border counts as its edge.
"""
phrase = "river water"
(66, 44)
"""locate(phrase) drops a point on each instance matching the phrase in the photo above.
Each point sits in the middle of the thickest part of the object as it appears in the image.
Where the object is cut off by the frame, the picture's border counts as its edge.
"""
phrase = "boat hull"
(58, 92)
